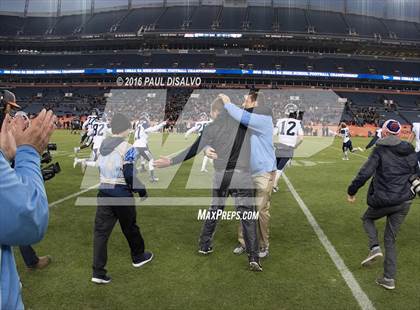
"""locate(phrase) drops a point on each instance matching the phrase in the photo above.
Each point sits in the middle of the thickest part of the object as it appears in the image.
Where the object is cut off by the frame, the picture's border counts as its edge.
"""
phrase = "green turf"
(298, 274)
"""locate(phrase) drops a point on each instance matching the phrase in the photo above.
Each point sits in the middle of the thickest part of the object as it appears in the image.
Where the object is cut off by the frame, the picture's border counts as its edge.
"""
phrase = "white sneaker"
(239, 250)
(204, 170)
(76, 150)
(263, 253)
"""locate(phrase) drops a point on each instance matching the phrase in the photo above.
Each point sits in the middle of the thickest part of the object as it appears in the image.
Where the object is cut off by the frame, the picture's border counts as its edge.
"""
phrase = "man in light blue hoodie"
(23, 201)
(258, 118)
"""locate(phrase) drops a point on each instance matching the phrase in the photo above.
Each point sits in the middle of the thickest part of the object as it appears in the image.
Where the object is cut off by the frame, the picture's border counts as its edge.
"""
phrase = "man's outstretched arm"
(365, 173)
(257, 122)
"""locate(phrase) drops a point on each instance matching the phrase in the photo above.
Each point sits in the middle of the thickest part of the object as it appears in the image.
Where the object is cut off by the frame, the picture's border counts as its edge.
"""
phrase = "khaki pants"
(263, 186)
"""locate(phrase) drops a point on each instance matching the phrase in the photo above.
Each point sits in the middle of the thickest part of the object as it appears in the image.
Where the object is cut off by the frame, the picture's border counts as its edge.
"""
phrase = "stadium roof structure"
(405, 10)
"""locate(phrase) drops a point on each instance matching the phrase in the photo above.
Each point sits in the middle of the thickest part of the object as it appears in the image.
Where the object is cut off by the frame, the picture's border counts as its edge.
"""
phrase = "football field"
(317, 244)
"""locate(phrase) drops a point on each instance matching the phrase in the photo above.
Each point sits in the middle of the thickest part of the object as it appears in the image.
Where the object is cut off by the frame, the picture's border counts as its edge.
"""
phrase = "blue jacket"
(263, 159)
(23, 217)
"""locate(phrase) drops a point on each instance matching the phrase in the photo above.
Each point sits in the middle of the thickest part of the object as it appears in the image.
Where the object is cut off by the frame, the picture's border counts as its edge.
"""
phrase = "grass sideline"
(298, 274)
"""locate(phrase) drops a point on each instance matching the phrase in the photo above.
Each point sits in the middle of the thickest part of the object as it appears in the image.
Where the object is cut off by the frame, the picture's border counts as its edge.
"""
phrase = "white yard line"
(53, 204)
(360, 296)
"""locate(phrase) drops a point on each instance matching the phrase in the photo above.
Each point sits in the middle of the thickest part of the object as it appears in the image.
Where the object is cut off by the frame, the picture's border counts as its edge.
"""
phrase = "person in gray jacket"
(392, 164)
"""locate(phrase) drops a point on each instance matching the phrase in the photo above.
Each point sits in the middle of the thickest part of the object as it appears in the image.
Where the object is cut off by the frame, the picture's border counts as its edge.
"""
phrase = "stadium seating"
(138, 18)
(232, 19)
(11, 25)
(406, 106)
(367, 26)
(203, 17)
(210, 18)
(102, 22)
(261, 19)
(175, 17)
(38, 25)
(83, 100)
(67, 25)
(403, 30)
(291, 20)
(328, 22)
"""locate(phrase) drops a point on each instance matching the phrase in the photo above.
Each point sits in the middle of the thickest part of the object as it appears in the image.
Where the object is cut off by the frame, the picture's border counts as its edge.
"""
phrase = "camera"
(49, 170)
(415, 184)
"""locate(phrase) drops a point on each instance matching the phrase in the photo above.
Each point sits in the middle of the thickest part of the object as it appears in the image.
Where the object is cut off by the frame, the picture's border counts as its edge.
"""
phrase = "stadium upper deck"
(203, 18)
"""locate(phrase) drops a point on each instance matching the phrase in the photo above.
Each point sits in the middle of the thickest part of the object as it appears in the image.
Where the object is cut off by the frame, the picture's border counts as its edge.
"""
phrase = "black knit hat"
(120, 123)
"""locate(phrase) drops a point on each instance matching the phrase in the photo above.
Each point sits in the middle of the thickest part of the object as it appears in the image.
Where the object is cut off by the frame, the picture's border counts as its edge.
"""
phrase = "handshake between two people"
(165, 161)
(16, 132)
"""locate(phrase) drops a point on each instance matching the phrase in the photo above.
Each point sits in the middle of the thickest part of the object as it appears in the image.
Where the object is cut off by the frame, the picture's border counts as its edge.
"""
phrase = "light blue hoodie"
(23, 217)
(263, 159)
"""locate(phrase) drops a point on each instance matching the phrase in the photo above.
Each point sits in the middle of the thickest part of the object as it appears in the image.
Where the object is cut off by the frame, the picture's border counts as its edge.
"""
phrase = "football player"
(290, 136)
(98, 131)
(344, 132)
(199, 127)
(141, 142)
(86, 140)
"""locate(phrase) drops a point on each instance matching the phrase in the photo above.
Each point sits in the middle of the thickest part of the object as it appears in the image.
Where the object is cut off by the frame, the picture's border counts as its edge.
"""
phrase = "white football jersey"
(288, 131)
(141, 134)
(379, 133)
(345, 134)
(99, 130)
(416, 130)
(198, 127)
(88, 122)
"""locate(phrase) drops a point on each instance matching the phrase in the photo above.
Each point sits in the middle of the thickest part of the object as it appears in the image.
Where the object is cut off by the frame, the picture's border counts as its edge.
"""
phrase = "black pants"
(395, 216)
(106, 217)
(29, 255)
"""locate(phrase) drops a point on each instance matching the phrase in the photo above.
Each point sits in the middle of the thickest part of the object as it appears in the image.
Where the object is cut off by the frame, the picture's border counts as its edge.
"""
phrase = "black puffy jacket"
(391, 164)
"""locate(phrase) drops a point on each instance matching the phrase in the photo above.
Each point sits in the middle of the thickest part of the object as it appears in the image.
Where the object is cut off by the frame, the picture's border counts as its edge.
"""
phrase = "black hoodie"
(391, 164)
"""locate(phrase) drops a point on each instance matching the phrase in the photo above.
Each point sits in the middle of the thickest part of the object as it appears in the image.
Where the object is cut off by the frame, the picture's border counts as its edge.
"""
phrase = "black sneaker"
(205, 250)
(254, 265)
(144, 259)
(101, 279)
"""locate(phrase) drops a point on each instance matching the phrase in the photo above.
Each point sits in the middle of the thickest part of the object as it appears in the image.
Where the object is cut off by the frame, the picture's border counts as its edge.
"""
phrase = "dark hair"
(253, 94)
(120, 123)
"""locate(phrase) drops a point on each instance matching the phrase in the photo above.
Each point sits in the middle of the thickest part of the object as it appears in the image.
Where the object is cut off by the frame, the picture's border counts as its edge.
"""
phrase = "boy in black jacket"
(115, 199)
(391, 164)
